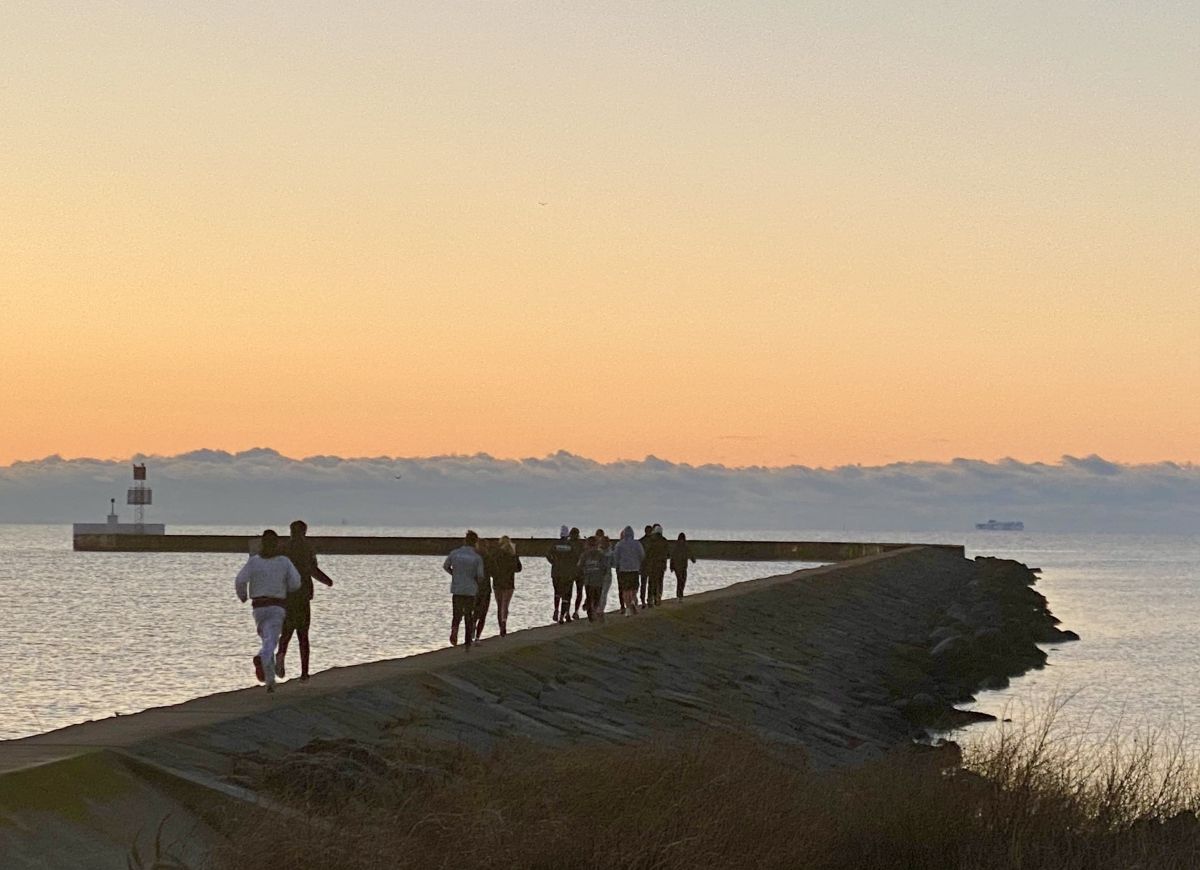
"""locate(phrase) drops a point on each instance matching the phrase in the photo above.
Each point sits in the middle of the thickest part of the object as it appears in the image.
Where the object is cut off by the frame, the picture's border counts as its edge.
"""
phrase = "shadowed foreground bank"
(839, 665)
(728, 800)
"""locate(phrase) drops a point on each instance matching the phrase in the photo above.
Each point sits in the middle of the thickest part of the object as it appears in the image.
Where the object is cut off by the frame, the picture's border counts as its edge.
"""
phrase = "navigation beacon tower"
(139, 495)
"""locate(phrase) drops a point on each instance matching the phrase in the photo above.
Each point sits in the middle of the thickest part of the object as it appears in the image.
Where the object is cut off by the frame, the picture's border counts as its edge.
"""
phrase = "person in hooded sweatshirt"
(593, 565)
(266, 580)
(465, 567)
(627, 557)
(657, 552)
(564, 560)
(680, 556)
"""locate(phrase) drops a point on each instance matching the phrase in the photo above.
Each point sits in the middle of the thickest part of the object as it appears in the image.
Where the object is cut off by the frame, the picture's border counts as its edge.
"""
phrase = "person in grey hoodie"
(466, 570)
(627, 557)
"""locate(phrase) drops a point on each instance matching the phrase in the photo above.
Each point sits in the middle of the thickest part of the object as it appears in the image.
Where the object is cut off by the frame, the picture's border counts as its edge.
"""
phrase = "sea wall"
(848, 661)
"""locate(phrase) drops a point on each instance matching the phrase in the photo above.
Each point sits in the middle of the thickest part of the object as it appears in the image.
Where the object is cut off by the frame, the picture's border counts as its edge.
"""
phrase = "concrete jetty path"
(844, 660)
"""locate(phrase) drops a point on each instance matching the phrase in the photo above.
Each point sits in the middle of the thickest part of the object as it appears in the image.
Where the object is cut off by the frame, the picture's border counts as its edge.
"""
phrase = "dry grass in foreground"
(731, 801)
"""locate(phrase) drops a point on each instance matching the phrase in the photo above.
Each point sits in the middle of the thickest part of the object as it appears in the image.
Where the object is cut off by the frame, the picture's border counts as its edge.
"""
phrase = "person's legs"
(270, 623)
(285, 638)
(302, 637)
(656, 582)
(456, 604)
(680, 582)
(483, 603)
(579, 595)
(503, 598)
(468, 606)
(643, 582)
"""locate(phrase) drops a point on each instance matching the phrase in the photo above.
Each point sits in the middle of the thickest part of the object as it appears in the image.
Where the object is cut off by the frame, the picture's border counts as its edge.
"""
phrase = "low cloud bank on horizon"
(262, 487)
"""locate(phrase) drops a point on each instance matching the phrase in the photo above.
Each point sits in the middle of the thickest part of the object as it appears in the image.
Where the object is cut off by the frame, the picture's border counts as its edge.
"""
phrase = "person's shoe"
(576, 613)
(271, 688)
(304, 678)
(258, 669)
(280, 671)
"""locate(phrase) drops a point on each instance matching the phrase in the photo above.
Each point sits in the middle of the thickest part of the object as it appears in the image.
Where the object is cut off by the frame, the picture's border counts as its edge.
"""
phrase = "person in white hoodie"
(266, 580)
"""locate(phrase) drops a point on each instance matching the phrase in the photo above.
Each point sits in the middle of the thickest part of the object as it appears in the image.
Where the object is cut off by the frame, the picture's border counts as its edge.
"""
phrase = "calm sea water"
(87, 635)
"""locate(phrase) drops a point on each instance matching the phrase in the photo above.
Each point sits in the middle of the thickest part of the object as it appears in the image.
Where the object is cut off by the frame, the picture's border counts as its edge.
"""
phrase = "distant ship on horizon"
(1001, 526)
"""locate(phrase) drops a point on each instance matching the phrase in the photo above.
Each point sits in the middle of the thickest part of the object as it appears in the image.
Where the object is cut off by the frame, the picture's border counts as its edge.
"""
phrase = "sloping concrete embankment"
(848, 661)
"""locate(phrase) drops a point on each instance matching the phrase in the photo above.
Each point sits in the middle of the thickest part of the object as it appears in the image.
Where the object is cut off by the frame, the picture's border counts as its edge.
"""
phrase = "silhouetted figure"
(483, 599)
(680, 556)
(577, 551)
(628, 556)
(506, 564)
(657, 552)
(299, 605)
(465, 567)
(563, 559)
(643, 574)
(606, 546)
(593, 565)
(267, 579)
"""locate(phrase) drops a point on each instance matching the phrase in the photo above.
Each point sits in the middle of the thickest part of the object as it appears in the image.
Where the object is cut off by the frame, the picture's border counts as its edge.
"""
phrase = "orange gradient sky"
(770, 234)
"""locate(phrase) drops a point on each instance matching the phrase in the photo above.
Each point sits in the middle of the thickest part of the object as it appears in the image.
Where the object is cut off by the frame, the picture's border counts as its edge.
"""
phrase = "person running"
(605, 545)
(465, 567)
(266, 580)
(627, 558)
(483, 599)
(657, 552)
(643, 575)
(680, 556)
(506, 564)
(563, 559)
(299, 604)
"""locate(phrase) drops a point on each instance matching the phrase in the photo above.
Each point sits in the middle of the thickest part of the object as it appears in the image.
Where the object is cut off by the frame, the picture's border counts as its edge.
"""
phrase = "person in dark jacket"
(506, 564)
(299, 603)
(657, 553)
(644, 574)
(483, 598)
(680, 556)
(564, 561)
(577, 544)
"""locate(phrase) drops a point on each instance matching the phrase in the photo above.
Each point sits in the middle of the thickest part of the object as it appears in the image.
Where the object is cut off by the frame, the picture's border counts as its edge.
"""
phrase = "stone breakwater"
(847, 661)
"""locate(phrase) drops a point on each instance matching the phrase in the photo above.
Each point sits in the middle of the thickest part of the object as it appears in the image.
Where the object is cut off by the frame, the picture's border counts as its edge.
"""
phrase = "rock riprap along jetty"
(847, 661)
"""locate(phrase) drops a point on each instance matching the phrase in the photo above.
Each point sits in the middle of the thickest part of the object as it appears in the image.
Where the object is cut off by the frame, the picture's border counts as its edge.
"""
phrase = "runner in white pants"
(266, 579)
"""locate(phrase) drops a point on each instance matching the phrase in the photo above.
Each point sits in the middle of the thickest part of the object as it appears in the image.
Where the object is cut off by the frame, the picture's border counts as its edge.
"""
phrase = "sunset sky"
(751, 233)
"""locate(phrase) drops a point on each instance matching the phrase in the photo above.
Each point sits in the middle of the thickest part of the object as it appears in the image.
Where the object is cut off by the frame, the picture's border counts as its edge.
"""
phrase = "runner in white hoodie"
(266, 580)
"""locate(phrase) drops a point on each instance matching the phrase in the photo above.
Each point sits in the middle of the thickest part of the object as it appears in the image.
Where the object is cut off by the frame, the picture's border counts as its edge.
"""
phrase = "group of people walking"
(580, 568)
(278, 583)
